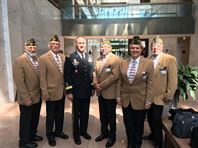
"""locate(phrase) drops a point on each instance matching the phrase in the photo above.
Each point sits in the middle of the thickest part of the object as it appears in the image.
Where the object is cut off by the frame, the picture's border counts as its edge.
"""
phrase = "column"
(6, 77)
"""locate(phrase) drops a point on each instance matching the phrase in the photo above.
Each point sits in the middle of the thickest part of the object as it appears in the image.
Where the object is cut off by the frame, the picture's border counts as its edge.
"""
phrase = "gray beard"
(31, 54)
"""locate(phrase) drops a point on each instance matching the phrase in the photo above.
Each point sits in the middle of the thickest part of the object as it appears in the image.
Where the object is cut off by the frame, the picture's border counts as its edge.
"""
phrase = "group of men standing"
(36, 80)
(137, 84)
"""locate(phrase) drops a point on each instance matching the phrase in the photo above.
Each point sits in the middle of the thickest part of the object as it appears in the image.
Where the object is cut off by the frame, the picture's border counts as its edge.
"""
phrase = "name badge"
(163, 70)
(108, 69)
(144, 75)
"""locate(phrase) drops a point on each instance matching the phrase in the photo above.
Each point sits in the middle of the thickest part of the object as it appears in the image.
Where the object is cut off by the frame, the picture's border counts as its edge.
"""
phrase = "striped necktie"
(58, 61)
(132, 71)
(35, 63)
(154, 59)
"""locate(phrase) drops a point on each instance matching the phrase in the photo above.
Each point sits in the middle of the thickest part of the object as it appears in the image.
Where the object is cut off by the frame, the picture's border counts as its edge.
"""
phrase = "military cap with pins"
(30, 42)
(136, 40)
(157, 39)
(105, 42)
(54, 38)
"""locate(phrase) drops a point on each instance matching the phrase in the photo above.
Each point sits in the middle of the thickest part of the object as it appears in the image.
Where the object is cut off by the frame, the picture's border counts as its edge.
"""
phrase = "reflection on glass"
(129, 11)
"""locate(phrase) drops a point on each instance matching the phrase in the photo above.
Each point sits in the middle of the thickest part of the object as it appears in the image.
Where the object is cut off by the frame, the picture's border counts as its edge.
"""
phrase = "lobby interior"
(175, 21)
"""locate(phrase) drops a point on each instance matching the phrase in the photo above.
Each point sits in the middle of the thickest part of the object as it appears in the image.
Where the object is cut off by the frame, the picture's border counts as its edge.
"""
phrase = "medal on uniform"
(75, 62)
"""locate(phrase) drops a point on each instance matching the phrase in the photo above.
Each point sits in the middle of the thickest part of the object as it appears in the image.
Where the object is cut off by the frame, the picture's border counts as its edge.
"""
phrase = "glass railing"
(146, 10)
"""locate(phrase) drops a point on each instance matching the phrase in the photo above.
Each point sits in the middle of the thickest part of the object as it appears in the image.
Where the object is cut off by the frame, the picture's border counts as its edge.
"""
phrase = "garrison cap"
(157, 39)
(30, 42)
(54, 38)
(105, 42)
(136, 40)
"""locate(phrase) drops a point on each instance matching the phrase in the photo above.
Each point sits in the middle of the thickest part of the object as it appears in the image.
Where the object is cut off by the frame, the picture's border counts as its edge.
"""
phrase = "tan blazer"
(165, 78)
(141, 89)
(26, 80)
(108, 76)
(51, 78)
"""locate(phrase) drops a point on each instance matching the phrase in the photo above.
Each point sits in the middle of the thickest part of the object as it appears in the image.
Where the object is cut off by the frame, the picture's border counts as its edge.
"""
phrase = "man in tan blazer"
(135, 90)
(52, 85)
(28, 94)
(165, 81)
(107, 73)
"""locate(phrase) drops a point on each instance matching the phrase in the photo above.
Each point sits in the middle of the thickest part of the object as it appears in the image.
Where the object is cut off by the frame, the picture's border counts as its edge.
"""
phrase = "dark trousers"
(29, 119)
(107, 110)
(134, 124)
(55, 115)
(80, 110)
(154, 115)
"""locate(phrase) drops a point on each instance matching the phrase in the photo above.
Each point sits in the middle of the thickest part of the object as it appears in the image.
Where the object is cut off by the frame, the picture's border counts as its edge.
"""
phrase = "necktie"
(155, 55)
(83, 57)
(132, 72)
(58, 61)
(154, 59)
(35, 63)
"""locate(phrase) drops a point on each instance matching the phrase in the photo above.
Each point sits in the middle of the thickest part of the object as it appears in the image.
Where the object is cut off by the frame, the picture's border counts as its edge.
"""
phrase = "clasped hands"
(98, 87)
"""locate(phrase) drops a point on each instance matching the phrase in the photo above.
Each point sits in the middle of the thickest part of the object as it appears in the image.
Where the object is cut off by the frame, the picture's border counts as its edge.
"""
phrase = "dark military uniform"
(78, 80)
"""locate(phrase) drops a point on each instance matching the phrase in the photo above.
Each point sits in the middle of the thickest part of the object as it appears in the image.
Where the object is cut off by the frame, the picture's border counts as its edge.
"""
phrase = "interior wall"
(27, 19)
(183, 49)
(37, 19)
(194, 40)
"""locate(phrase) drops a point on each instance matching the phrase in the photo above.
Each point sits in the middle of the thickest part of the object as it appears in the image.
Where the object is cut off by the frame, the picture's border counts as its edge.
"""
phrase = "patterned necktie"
(35, 63)
(132, 71)
(154, 59)
(58, 61)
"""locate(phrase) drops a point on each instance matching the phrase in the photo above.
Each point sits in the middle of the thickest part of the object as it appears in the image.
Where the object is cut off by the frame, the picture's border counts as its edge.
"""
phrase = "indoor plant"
(187, 83)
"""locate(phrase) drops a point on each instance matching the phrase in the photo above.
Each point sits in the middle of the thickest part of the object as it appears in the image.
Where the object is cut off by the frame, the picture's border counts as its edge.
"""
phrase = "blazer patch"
(163, 70)
(144, 75)
(108, 68)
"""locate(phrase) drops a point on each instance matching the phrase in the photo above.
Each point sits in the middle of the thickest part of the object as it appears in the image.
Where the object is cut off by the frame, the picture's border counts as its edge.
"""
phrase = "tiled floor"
(9, 116)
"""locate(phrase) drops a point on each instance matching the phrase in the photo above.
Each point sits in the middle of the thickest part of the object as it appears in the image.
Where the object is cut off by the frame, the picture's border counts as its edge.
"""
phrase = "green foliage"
(187, 81)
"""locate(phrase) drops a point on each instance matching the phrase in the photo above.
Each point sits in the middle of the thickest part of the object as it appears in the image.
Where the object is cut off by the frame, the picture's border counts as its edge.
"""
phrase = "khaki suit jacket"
(26, 80)
(165, 78)
(108, 76)
(51, 78)
(141, 89)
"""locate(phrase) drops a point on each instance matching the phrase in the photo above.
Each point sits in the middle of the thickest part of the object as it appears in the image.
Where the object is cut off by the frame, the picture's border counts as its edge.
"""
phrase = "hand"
(147, 105)
(28, 103)
(70, 97)
(98, 87)
(166, 100)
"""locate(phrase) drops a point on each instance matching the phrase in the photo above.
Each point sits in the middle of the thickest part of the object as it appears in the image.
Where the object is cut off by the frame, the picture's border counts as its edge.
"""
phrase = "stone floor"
(9, 117)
